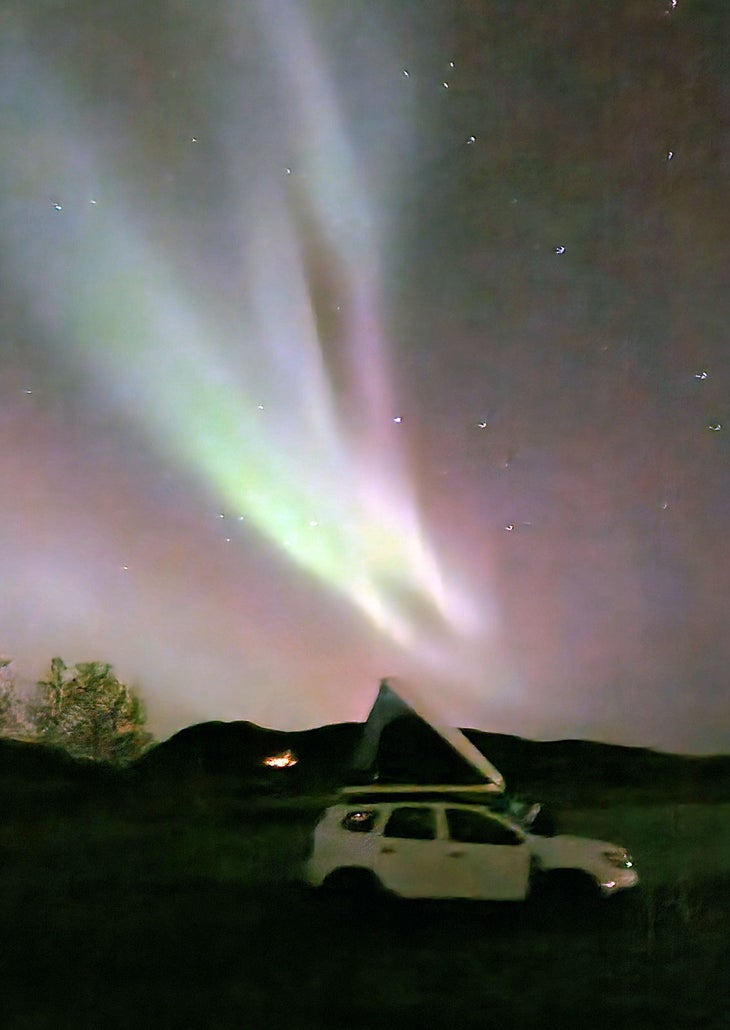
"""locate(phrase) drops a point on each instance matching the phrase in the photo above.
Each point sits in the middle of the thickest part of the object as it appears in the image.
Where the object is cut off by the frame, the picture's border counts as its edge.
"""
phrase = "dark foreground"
(124, 919)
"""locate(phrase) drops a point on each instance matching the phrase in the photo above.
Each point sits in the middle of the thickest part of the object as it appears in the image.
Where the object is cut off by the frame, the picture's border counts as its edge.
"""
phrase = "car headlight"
(619, 858)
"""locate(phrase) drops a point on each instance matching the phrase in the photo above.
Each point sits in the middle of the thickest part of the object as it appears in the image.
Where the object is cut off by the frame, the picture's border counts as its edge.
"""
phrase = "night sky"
(352, 338)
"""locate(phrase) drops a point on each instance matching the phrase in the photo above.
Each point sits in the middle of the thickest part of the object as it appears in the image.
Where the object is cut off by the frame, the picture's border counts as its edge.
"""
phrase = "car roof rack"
(379, 787)
(460, 793)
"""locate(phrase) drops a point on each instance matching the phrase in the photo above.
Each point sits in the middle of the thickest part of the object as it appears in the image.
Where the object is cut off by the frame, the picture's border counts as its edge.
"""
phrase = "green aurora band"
(293, 432)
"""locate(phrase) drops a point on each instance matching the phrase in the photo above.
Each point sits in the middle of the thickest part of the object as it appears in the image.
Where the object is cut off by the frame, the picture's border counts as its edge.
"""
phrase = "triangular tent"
(404, 741)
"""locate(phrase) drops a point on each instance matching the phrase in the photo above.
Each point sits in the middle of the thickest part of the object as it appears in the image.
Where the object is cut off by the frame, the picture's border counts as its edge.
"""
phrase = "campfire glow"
(283, 761)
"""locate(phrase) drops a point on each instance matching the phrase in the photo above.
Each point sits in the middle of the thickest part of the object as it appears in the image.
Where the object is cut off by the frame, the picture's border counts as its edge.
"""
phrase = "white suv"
(441, 848)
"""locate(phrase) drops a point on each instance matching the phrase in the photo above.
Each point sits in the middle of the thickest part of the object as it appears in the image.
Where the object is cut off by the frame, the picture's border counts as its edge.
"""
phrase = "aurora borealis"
(343, 340)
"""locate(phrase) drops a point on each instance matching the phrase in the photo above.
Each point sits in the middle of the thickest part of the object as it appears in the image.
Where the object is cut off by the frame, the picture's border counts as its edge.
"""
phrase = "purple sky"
(351, 340)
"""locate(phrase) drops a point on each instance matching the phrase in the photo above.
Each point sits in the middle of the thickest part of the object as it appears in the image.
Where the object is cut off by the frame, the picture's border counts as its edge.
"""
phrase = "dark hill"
(35, 778)
(585, 766)
(570, 770)
(238, 749)
(29, 760)
(214, 753)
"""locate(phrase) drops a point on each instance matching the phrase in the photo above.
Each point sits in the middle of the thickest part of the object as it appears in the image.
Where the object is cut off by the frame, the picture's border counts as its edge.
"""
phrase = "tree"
(11, 722)
(89, 713)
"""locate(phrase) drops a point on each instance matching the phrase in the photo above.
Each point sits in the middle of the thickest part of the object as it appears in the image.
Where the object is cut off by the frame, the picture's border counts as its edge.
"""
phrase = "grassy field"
(163, 914)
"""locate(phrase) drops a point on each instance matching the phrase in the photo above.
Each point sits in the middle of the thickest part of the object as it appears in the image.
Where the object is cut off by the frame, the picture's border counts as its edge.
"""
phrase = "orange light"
(283, 761)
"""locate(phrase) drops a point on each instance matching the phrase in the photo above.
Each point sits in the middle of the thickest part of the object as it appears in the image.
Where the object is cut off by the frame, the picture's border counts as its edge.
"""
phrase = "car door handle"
(455, 854)
(387, 851)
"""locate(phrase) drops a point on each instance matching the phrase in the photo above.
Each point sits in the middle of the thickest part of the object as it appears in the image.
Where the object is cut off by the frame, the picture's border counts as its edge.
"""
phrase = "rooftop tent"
(404, 741)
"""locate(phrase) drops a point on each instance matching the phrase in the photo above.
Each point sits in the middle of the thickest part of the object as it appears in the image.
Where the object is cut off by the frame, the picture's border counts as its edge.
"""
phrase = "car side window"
(476, 828)
(359, 821)
(414, 823)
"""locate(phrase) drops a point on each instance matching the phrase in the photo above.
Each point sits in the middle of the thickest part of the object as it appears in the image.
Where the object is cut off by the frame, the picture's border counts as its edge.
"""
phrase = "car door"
(487, 857)
(409, 858)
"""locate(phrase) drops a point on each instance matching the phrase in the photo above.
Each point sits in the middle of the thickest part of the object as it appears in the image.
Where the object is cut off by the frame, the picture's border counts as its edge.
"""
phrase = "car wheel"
(629, 908)
(353, 881)
(565, 894)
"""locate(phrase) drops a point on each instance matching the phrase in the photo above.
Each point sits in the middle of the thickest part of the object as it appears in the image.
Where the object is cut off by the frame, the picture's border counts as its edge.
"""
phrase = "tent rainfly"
(394, 700)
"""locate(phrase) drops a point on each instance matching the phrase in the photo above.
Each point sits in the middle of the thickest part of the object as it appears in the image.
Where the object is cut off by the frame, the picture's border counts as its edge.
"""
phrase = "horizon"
(166, 734)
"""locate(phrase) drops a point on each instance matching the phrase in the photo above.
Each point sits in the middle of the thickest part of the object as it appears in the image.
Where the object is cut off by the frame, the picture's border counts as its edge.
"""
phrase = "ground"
(169, 914)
